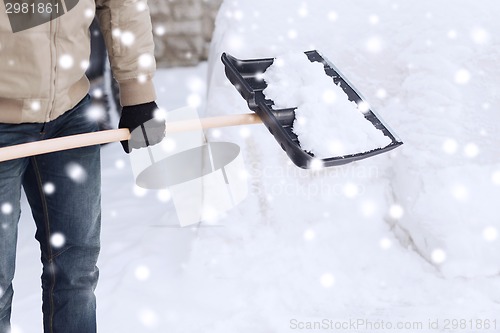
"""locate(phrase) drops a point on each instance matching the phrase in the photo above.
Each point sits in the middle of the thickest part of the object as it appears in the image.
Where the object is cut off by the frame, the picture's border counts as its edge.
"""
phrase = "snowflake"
(49, 188)
(15, 329)
(195, 84)
(329, 96)
(245, 132)
(292, 34)
(381, 93)
(7, 208)
(235, 43)
(368, 208)
(160, 114)
(89, 13)
(490, 234)
(396, 211)
(141, 6)
(374, 19)
(336, 148)
(374, 45)
(309, 235)
(164, 195)
(480, 36)
(363, 106)
(35, 105)
(452, 34)
(119, 164)
(460, 192)
(243, 175)
(148, 318)
(139, 191)
(127, 38)
(168, 145)
(462, 76)
(471, 150)
(145, 60)
(194, 100)
(316, 164)
(450, 146)
(57, 240)
(160, 30)
(84, 64)
(142, 273)
(327, 280)
(76, 172)
(495, 177)
(216, 133)
(238, 15)
(66, 61)
(351, 190)
(142, 78)
(209, 214)
(438, 256)
(96, 112)
(385, 243)
(332, 16)
(303, 11)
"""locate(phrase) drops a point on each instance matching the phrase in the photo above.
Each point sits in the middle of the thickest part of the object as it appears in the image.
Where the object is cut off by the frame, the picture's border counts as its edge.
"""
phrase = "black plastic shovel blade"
(245, 75)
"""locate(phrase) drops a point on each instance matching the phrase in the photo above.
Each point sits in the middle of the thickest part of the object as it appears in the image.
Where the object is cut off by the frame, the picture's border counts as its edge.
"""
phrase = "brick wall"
(183, 30)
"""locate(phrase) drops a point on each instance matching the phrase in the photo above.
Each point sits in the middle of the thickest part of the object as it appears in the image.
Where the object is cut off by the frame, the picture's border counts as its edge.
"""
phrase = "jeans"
(63, 191)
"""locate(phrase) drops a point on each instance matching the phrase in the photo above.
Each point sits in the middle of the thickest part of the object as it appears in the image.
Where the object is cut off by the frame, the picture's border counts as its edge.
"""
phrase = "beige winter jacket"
(42, 68)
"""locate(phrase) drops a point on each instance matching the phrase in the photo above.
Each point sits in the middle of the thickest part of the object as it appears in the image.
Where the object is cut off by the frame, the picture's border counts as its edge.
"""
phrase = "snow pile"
(433, 81)
(326, 122)
(428, 208)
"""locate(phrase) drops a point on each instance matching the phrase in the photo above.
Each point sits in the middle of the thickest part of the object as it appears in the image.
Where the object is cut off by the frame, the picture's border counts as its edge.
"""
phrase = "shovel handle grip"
(101, 137)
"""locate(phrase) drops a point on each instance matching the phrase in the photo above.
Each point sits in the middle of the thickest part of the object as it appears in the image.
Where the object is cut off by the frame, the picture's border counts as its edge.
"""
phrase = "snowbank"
(429, 71)
(380, 228)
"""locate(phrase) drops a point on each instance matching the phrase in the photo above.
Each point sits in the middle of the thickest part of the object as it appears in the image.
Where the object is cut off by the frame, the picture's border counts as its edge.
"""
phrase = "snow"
(327, 124)
(411, 235)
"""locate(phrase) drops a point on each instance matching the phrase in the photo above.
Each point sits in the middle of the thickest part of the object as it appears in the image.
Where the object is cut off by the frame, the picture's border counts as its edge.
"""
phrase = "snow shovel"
(245, 75)
(108, 136)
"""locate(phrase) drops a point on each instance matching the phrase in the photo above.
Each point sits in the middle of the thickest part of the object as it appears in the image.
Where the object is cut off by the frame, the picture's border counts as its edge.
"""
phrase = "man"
(43, 94)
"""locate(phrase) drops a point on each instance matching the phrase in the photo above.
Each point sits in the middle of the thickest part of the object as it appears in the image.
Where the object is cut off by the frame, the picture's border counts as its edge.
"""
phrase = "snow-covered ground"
(409, 236)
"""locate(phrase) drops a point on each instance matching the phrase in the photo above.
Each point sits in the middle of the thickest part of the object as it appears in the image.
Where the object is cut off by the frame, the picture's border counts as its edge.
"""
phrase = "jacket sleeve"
(127, 29)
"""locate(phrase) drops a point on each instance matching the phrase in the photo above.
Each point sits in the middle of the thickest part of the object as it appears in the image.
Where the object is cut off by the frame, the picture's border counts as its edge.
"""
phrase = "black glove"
(151, 131)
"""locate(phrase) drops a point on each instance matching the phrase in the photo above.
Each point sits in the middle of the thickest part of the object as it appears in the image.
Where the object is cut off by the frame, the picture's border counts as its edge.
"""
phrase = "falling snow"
(49, 188)
(127, 38)
(438, 256)
(309, 235)
(7, 208)
(462, 76)
(66, 61)
(76, 172)
(142, 273)
(327, 280)
(57, 240)
(426, 220)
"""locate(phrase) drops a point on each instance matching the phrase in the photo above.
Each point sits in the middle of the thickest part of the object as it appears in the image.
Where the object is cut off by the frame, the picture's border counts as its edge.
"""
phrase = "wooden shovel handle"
(101, 137)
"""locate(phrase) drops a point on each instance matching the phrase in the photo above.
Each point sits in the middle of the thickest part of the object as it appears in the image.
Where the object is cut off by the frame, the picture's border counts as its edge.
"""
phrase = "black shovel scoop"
(245, 75)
